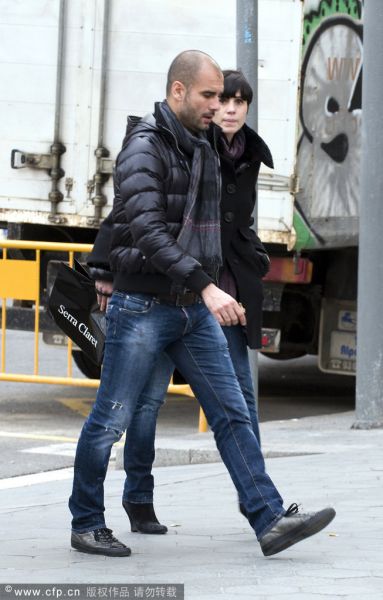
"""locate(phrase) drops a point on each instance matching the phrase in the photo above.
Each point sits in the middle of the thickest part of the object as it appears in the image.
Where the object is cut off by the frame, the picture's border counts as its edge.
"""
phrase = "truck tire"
(285, 355)
(86, 366)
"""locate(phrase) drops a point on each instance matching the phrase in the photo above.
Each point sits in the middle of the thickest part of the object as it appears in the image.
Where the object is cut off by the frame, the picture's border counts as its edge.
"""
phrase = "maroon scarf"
(236, 148)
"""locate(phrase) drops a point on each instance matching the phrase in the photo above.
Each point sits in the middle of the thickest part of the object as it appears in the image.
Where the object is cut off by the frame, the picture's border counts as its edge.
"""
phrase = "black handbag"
(73, 306)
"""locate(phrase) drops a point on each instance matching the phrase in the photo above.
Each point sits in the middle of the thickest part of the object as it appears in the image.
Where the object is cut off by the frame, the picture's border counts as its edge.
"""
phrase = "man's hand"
(104, 291)
(223, 307)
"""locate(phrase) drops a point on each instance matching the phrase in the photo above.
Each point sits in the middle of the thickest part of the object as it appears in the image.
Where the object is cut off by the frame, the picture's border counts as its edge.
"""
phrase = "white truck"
(72, 70)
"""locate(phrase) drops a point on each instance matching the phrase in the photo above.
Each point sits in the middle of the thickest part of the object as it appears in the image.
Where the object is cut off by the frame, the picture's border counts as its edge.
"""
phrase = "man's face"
(201, 99)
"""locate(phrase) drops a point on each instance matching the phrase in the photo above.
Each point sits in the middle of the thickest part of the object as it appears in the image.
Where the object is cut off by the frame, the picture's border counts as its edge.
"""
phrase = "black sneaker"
(294, 527)
(99, 541)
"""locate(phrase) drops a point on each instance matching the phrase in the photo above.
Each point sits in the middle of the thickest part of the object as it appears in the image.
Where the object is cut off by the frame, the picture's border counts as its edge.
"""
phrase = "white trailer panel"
(143, 38)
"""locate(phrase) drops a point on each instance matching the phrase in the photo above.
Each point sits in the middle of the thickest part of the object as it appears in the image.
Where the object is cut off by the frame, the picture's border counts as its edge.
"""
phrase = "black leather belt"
(186, 299)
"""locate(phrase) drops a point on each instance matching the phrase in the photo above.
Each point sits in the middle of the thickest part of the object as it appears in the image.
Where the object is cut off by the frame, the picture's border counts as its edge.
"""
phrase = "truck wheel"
(86, 366)
(285, 355)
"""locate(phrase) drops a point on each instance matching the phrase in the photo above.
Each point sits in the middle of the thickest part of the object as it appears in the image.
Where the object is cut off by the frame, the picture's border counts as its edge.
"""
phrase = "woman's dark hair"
(235, 81)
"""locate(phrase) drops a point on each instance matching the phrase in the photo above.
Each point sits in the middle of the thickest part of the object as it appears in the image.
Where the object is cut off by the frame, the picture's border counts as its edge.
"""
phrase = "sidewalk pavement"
(316, 461)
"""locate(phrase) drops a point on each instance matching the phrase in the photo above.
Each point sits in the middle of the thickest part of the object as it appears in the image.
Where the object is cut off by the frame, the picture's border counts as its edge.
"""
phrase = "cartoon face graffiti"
(329, 151)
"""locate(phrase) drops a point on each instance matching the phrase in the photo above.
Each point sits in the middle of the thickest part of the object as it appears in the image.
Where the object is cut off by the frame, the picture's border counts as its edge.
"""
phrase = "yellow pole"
(54, 246)
(37, 316)
(70, 343)
(3, 328)
(20, 378)
(3, 323)
(203, 425)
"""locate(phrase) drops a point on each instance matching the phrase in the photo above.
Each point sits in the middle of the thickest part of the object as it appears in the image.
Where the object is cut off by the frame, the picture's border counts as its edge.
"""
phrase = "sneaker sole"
(103, 552)
(301, 532)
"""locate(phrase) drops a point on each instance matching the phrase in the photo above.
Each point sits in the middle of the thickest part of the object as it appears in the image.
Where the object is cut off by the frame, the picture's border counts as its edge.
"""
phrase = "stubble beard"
(190, 119)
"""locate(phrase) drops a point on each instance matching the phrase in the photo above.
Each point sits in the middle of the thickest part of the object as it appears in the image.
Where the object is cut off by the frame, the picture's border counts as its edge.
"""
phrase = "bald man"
(165, 256)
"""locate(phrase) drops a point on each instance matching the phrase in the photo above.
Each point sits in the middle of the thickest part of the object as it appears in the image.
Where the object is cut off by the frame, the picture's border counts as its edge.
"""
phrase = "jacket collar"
(256, 147)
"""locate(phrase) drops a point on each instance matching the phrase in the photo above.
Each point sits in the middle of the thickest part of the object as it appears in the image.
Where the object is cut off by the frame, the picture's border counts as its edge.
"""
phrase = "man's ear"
(178, 91)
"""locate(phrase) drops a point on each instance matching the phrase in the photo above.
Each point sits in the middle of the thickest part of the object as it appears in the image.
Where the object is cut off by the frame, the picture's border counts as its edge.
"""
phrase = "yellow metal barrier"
(20, 280)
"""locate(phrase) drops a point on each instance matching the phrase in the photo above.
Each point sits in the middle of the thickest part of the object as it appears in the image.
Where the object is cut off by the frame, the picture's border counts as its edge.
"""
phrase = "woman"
(245, 262)
(241, 152)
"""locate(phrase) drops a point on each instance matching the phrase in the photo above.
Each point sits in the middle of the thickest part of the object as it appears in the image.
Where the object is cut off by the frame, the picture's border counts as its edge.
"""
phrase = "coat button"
(231, 188)
(228, 217)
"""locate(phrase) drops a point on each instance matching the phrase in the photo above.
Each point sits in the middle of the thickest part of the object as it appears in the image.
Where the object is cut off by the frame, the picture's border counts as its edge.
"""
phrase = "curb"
(171, 457)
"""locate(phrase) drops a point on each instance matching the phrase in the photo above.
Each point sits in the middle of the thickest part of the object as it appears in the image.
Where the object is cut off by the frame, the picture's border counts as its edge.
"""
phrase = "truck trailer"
(71, 72)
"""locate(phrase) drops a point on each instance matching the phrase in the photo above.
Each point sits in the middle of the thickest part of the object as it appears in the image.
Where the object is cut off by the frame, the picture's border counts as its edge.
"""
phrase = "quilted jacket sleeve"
(98, 259)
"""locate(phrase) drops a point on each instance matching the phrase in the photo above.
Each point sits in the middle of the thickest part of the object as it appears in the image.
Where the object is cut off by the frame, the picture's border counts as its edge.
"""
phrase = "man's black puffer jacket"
(151, 184)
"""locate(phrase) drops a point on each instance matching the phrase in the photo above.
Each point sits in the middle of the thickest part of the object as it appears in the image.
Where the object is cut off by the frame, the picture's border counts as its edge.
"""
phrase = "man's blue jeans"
(139, 450)
(138, 330)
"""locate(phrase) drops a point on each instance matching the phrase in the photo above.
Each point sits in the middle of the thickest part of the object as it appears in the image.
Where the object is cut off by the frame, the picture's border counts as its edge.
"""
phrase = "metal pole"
(59, 75)
(99, 200)
(369, 372)
(104, 66)
(58, 148)
(247, 51)
(247, 61)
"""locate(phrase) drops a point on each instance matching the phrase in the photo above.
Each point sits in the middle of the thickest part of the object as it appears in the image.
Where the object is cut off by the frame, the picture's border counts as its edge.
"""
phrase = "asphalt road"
(40, 423)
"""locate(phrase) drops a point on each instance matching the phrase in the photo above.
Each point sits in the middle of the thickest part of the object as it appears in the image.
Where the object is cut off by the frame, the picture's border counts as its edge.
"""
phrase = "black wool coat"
(242, 250)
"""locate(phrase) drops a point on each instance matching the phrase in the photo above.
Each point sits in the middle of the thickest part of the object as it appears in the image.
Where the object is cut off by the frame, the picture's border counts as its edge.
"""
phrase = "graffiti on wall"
(329, 150)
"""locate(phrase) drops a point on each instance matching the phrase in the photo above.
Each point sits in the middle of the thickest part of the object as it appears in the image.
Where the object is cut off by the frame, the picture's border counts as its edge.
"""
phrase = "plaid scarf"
(200, 234)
